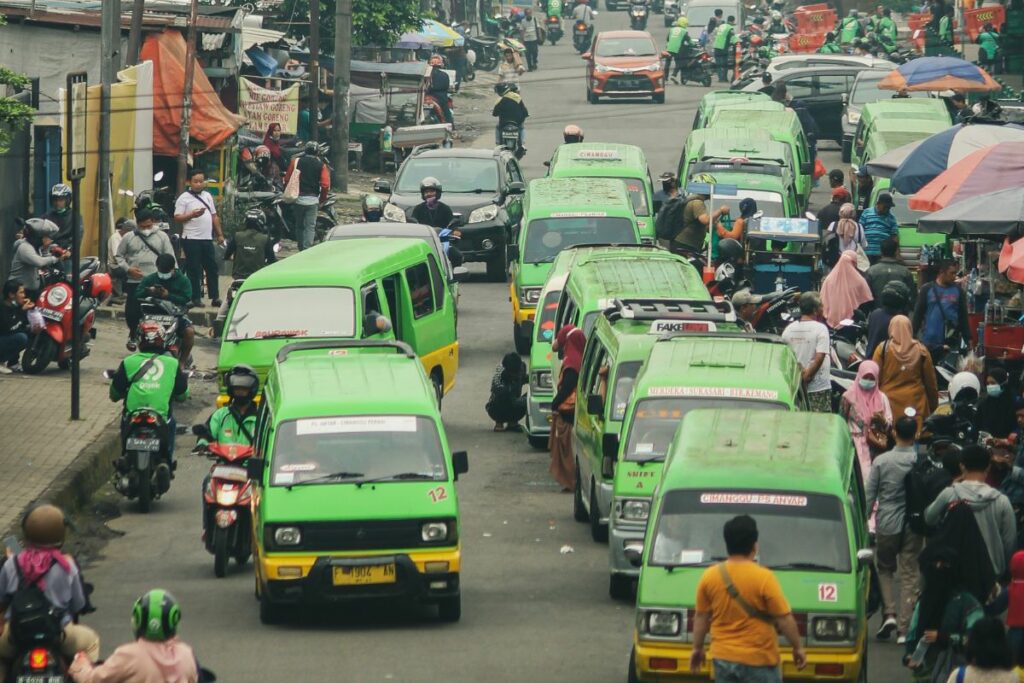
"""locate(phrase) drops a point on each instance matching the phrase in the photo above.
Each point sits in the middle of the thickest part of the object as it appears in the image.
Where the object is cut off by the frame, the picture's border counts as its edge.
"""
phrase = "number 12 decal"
(438, 494)
(827, 592)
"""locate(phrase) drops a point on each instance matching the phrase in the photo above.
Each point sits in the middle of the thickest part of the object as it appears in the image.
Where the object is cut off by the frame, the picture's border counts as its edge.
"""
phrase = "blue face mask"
(165, 276)
(994, 390)
(867, 384)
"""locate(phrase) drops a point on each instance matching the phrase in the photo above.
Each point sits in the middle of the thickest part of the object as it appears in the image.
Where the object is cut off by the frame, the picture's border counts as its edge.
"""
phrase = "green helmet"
(156, 615)
(683, 22)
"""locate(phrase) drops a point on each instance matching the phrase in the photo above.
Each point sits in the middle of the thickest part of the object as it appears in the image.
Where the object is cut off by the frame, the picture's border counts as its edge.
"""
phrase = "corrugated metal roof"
(259, 36)
(65, 12)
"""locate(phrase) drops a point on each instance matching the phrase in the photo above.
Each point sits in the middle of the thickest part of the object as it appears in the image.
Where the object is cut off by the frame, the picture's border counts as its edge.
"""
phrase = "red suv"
(625, 64)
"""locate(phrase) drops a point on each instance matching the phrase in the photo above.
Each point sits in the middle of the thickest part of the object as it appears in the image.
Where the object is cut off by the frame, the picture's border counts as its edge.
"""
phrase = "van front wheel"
(598, 531)
(620, 587)
(438, 384)
(270, 613)
(579, 513)
(450, 609)
(497, 268)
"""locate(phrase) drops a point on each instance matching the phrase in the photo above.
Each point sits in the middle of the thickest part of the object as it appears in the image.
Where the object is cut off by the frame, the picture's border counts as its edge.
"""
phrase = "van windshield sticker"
(356, 423)
(579, 214)
(753, 499)
(602, 154)
(691, 556)
(715, 392)
(643, 448)
(281, 333)
(298, 467)
(663, 326)
(284, 478)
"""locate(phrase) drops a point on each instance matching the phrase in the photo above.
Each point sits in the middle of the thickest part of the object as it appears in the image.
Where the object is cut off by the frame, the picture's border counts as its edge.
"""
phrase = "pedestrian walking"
(809, 339)
(879, 225)
(988, 655)
(742, 605)
(507, 404)
(940, 316)
(314, 182)
(907, 375)
(896, 545)
(849, 234)
(510, 68)
(136, 258)
(869, 416)
(844, 290)
(200, 226)
(988, 54)
(531, 32)
(568, 344)
(14, 325)
(889, 268)
(894, 301)
(827, 217)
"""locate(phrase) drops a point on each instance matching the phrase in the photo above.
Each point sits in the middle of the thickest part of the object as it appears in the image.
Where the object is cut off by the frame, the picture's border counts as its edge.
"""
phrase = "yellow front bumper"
(520, 314)
(297, 566)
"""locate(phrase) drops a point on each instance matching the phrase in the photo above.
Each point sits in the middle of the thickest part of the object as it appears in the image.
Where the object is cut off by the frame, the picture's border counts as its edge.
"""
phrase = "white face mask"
(147, 231)
(165, 276)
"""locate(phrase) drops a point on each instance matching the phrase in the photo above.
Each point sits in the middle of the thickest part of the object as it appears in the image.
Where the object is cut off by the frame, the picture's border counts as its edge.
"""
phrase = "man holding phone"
(200, 224)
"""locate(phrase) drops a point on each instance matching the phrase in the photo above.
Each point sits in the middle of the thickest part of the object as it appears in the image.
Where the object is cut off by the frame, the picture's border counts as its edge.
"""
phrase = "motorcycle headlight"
(394, 213)
(633, 510)
(601, 68)
(663, 623)
(529, 296)
(287, 535)
(541, 381)
(432, 532)
(483, 214)
(228, 494)
(57, 296)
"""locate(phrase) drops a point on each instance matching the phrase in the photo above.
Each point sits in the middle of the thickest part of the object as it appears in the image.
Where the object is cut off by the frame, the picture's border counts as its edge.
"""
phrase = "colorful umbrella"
(994, 213)
(432, 34)
(939, 73)
(986, 170)
(940, 151)
(885, 165)
(1011, 260)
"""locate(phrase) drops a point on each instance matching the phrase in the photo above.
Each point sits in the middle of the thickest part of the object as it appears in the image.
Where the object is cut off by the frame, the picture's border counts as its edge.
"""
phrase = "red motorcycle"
(53, 342)
(227, 495)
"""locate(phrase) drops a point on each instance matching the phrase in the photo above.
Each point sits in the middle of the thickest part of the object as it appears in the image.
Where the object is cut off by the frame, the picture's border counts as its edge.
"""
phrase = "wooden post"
(314, 70)
(186, 98)
(342, 69)
(135, 33)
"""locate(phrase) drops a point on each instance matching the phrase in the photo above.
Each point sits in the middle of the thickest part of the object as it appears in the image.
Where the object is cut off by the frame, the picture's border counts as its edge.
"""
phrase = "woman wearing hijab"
(844, 290)
(568, 344)
(907, 376)
(862, 405)
(507, 405)
(272, 140)
(849, 232)
(997, 413)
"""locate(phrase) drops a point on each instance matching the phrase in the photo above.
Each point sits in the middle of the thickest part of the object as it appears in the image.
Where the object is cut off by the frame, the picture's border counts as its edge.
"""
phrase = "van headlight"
(432, 532)
(832, 629)
(541, 381)
(633, 509)
(529, 296)
(287, 535)
(483, 214)
(394, 213)
(662, 623)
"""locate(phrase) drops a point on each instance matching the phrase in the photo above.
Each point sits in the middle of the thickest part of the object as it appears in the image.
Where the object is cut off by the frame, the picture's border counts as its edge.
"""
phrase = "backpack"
(34, 619)
(923, 483)
(669, 220)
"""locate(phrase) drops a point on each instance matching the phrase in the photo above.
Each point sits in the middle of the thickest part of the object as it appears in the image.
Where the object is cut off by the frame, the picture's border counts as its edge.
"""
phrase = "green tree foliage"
(14, 115)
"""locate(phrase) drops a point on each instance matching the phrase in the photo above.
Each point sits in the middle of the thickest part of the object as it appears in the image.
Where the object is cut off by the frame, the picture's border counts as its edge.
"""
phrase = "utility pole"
(314, 70)
(135, 33)
(342, 69)
(110, 46)
(186, 99)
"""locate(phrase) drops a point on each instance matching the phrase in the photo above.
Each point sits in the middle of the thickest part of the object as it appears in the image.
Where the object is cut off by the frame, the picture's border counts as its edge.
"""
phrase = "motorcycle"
(777, 310)
(670, 12)
(581, 37)
(553, 28)
(325, 218)
(226, 500)
(53, 342)
(728, 280)
(697, 68)
(167, 315)
(488, 56)
(143, 471)
(271, 204)
(510, 139)
(638, 15)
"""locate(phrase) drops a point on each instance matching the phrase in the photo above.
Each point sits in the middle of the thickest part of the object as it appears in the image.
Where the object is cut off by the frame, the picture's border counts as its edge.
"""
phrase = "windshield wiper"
(653, 458)
(672, 567)
(402, 476)
(546, 259)
(804, 565)
(327, 477)
(478, 190)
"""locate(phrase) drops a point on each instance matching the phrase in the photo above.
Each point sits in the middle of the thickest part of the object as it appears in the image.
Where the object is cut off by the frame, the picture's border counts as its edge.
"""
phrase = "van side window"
(514, 176)
(438, 279)
(860, 139)
(391, 289)
(264, 419)
(566, 312)
(418, 278)
(595, 379)
(371, 303)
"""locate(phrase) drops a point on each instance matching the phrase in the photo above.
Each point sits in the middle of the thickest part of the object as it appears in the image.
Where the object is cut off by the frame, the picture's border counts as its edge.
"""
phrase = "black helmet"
(895, 296)
(60, 191)
(312, 148)
(255, 220)
(44, 526)
(430, 183)
(502, 88)
(241, 378)
(729, 250)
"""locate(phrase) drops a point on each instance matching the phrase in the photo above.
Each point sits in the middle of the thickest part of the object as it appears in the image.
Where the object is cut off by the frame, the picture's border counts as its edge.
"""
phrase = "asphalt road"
(535, 598)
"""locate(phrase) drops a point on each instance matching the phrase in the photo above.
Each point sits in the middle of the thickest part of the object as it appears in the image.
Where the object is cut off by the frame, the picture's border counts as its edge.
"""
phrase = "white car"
(785, 62)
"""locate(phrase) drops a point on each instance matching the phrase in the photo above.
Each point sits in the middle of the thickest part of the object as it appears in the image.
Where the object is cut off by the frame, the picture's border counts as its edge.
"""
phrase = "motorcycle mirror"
(202, 430)
(158, 176)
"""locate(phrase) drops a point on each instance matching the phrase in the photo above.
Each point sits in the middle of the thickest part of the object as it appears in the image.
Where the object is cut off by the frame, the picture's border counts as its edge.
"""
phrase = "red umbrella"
(986, 170)
(1011, 260)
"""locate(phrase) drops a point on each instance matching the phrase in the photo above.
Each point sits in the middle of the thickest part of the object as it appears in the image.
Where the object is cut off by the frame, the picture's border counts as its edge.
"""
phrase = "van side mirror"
(254, 468)
(375, 323)
(865, 556)
(513, 252)
(634, 556)
(460, 463)
(595, 404)
(516, 188)
(847, 150)
(382, 186)
(807, 168)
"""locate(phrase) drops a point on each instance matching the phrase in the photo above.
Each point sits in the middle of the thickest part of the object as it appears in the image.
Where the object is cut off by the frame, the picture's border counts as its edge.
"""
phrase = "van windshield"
(546, 237)
(354, 448)
(796, 531)
(655, 421)
(769, 203)
(293, 312)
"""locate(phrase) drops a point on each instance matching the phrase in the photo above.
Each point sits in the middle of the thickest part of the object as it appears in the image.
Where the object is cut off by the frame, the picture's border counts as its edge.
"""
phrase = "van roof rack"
(399, 346)
(749, 336)
(617, 245)
(670, 309)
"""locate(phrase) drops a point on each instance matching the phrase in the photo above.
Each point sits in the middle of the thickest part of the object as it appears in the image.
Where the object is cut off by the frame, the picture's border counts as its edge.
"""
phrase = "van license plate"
(135, 444)
(364, 574)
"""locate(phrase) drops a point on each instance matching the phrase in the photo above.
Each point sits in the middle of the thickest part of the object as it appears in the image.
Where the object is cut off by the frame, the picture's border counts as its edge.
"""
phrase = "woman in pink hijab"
(844, 290)
(862, 403)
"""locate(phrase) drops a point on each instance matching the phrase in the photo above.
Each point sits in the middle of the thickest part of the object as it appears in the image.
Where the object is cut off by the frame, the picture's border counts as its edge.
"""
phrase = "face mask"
(146, 232)
(431, 202)
(867, 384)
(165, 276)
(994, 390)
(62, 209)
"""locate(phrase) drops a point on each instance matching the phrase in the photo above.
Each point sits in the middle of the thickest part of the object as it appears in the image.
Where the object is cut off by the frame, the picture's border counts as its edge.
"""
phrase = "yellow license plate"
(364, 574)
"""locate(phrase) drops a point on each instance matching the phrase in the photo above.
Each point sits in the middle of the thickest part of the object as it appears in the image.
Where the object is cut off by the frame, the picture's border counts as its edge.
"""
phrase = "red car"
(625, 64)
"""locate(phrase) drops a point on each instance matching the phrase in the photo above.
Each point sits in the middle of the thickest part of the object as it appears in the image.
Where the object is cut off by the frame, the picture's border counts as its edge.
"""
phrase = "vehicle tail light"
(38, 659)
(664, 663)
(828, 669)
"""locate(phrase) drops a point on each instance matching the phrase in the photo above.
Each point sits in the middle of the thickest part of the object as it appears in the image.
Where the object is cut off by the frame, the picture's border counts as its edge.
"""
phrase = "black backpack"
(34, 619)
(925, 480)
(669, 221)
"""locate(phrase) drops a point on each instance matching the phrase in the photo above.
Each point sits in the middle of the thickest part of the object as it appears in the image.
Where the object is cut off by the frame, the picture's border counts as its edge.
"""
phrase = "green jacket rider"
(850, 28)
(162, 382)
(235, 423)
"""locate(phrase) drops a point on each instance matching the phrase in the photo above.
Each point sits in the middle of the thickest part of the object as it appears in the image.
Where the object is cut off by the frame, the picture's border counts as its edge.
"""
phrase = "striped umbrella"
(935, 74)
(431, 34)
(940, 151)
(986, 170)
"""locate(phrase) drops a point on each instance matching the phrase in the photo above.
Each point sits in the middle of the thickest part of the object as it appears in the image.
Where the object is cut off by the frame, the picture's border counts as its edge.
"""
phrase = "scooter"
(53, 342)
(226, 499)
(638, 15)
(697, 69)
(776, 311)
(553, 28)
(143, 471)
(670, 12)
(581, 37)
(487, 54)
(510, 139)
(167, 315)
(325, 218)
(271, 204)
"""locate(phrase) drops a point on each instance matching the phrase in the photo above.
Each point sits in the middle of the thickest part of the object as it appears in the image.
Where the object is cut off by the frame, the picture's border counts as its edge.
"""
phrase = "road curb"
(90, 469)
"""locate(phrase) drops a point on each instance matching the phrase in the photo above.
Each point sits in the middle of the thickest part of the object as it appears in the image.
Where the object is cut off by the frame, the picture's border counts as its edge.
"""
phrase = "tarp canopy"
(993, 213)
(211, 123)
(408, 75)
(367, 105)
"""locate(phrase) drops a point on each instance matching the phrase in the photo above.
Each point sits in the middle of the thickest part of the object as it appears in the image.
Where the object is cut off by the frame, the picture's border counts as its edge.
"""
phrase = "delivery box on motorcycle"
(354, 480)
(610, 160)
(797, 475)
(685, 371)
(345, 290)
(559, 213)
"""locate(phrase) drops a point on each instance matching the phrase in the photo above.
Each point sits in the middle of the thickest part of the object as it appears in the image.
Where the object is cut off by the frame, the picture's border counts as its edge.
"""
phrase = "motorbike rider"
(831, 45)
(250, 247)
(669, 189)
(150, 379)
(32, 252)
(42, 564)
(777, 25)
(439, 86)
(572, 134)
(373, 208)
(156, 654)
(552, 7)
(136, 258)
(432, 211)
(850, 28)
(268, 168)
(583, 12)
(60, 215)
(171, 284)
(510, 109)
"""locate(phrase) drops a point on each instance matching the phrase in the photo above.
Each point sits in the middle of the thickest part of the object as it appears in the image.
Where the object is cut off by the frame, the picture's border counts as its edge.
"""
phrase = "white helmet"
(961, 381)
(776, 15)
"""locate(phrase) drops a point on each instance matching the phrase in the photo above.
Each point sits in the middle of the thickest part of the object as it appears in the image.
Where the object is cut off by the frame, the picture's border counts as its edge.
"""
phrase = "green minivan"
(340, 290)
(796, 473)
(609, 160)
(685, 371)
(888, 124)
(353, 481)
(732, 99)
(784, 126)
(559, 213)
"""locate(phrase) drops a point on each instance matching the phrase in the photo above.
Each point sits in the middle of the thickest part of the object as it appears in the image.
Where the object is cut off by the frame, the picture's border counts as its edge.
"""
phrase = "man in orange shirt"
(743, 605)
